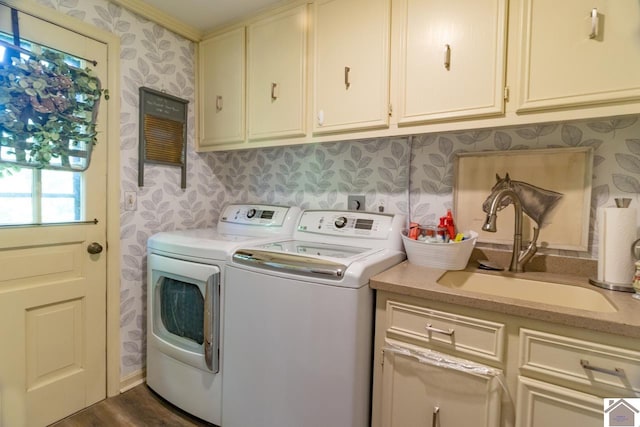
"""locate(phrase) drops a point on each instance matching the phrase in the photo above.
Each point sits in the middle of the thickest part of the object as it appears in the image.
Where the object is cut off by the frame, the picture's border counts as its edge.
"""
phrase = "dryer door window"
(184, 304)
(182, 309)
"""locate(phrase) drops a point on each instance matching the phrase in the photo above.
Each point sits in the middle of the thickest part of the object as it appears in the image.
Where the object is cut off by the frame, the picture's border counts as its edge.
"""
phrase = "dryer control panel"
(264, 215)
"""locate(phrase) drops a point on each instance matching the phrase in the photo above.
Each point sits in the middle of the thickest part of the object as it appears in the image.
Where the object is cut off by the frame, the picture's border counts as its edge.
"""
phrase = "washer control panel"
(264, 215)
(346, 223)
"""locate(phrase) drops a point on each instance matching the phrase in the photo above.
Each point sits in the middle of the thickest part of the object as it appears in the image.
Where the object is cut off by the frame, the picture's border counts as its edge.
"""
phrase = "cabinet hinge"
(390, 110)
(506, 93)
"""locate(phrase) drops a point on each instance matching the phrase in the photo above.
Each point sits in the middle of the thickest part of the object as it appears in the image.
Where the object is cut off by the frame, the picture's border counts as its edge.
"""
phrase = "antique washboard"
(163, 132)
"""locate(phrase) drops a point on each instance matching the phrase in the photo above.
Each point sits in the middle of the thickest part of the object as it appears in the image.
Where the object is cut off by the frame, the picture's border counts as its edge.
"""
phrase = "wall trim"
(161, 18)
(133, 380)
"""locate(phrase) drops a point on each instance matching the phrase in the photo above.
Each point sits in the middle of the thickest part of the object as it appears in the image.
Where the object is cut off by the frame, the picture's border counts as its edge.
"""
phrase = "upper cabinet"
(222, 89)
(328, 70)
(276, 76)
(351, 54)
(577, 53)
(450, 58)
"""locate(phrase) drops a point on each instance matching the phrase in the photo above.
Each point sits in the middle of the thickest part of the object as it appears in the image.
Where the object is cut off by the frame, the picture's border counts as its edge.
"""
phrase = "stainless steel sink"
(528, 290)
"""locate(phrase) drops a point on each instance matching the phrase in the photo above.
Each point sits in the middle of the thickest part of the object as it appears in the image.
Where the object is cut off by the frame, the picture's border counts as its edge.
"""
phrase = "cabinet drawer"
(463, 334)
(579, 362)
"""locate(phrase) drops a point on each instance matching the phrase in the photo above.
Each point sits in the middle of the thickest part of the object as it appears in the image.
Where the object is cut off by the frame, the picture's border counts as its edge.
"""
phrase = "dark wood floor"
(137, 407)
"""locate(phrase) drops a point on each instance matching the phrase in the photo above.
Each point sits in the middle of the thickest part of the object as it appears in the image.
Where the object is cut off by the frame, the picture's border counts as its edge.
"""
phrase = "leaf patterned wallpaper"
(410, 175)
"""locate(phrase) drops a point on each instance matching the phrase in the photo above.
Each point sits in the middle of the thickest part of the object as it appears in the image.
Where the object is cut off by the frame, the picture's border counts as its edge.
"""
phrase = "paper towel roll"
(617, 229)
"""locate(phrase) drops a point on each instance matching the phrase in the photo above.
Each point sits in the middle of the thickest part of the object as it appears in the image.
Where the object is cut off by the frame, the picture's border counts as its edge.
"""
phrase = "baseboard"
(132, 380)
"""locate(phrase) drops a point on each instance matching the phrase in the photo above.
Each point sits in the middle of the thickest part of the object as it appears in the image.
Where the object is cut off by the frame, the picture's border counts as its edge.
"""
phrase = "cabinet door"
(352, 64)
(542, 404)
(222, 89)
(451, 58)
(415, 393)
(569, 57)
(277, 75)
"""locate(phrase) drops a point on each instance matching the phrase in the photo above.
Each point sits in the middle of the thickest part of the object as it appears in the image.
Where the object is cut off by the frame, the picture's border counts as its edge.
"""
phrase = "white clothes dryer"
(185, 302)
(299, 322)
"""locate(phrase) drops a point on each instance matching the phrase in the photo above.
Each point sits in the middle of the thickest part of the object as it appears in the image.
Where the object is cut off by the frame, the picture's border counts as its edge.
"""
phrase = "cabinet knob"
(447, 56)
(594, 23)
(218, 103)
(347, 83)
(274, 91)
(616, 372)
(448, 332)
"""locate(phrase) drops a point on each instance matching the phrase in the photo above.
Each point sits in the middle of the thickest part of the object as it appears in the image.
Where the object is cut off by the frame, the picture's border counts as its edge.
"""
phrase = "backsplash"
(410, 175)
(414, 175)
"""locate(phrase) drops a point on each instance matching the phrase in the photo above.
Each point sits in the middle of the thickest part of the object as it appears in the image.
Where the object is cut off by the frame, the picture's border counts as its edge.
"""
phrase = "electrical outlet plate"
(355, 203)
(130, 201)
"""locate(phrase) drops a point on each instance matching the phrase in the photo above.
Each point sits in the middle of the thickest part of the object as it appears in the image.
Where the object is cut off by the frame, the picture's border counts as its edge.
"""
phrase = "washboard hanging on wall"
(163, 132)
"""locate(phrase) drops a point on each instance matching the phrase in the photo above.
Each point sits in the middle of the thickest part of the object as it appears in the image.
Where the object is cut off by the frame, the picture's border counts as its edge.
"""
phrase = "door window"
(30, 195)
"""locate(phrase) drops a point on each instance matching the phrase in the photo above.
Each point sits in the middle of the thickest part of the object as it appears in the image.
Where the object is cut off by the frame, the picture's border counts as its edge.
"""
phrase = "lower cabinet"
(426, 388)
(542, 404)
(443, 365)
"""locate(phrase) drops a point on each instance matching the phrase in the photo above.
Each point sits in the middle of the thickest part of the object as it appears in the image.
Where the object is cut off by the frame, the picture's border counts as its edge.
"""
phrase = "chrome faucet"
(518, 259)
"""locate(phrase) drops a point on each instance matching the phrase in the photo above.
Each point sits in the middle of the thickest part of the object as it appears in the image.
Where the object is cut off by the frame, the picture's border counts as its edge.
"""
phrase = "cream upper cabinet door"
(577, 53)
(351, 89)
(277, 52)
(451, 58)
(222, 89)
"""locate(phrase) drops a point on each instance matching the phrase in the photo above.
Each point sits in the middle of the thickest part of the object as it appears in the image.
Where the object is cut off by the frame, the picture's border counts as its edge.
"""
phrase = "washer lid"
(316, 249)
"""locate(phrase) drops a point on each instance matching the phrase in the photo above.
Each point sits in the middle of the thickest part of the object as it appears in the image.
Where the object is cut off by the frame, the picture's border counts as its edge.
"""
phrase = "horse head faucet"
(526, 198)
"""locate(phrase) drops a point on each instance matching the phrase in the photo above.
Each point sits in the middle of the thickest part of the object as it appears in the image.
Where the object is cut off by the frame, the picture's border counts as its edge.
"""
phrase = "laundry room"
(401, 162)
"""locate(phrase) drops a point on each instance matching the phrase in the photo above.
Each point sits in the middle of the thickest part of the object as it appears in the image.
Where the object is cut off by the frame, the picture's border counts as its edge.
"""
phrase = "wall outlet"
(355, 203)
(382, 204)
(130, 200)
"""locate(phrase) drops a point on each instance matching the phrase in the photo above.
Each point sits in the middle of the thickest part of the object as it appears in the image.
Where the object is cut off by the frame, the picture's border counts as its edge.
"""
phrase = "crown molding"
(161, 18)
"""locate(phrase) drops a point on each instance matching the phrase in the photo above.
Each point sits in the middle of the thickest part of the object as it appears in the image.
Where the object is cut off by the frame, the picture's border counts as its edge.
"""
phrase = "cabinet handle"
(218, 103)
(346, 77)
(617, 372)
(436, 413)
(448, 332)
(274, 91)
(594, 23)
(447, 56)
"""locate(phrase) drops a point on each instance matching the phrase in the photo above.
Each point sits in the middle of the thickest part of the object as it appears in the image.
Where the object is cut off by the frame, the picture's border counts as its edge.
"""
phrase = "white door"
(52, 291)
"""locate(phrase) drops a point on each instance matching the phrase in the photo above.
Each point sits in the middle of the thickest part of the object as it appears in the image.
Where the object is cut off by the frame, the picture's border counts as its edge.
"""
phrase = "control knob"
(340, 222)
(251, 213)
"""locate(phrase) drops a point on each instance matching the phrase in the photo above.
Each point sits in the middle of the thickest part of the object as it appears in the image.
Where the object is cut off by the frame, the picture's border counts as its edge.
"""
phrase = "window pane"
(58, 209)
(60, 196)
(16, 197)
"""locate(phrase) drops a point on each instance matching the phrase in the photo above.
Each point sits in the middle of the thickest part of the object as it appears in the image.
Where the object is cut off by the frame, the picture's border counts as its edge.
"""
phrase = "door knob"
(94, 248)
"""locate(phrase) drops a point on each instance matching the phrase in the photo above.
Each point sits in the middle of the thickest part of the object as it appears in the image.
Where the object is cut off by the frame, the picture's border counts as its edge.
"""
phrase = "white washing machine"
(299, 322)
(185, 302)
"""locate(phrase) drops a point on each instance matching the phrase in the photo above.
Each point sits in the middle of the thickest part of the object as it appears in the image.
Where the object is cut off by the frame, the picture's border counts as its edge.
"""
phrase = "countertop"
(417, 281)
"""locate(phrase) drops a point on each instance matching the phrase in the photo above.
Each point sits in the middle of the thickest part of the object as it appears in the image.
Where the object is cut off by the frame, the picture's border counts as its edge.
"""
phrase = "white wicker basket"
(448, 256)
